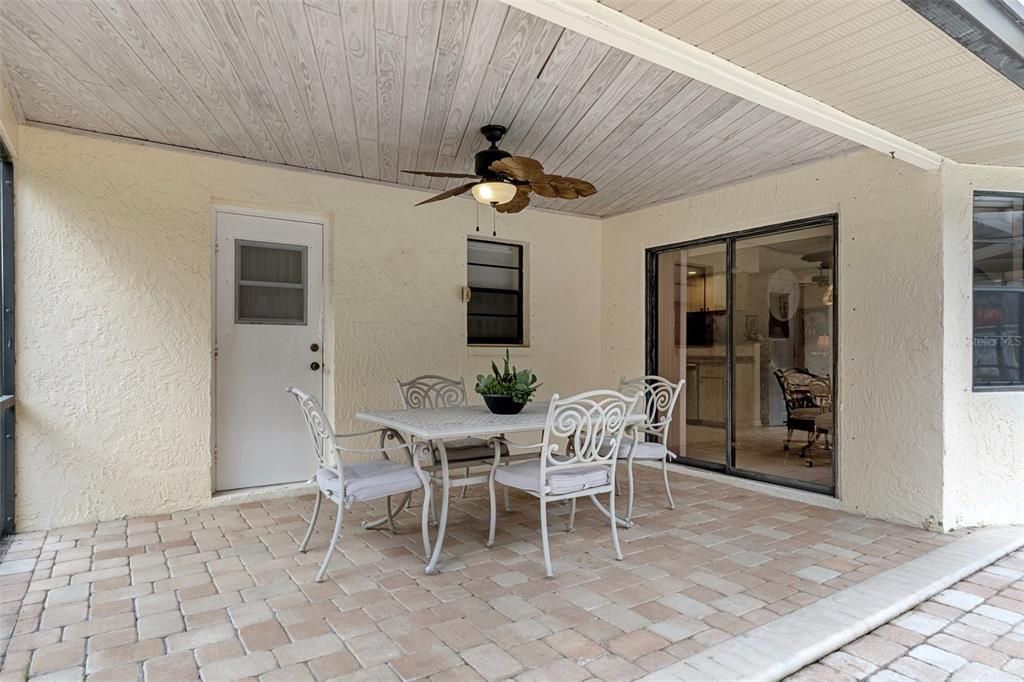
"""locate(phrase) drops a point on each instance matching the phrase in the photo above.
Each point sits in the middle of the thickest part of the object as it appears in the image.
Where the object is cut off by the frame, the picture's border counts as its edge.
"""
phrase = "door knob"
(314, 366)
(314, 347)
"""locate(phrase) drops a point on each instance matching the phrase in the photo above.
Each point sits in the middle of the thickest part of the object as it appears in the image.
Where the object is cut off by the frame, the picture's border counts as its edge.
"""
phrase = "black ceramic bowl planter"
(503, 404)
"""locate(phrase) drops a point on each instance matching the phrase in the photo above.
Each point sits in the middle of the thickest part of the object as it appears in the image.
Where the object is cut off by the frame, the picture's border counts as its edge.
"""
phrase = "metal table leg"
(442, 524)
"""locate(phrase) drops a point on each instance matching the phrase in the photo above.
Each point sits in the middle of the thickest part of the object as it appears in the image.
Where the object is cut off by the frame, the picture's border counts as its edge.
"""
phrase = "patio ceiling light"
(492, 193)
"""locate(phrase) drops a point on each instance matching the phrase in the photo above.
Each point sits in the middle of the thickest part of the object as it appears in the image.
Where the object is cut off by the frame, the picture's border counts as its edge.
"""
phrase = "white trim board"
(787, 644)
(611, 27)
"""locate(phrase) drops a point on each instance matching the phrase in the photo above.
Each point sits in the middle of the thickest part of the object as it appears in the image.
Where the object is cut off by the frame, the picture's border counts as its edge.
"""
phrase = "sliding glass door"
(692, 346)
(748, 321)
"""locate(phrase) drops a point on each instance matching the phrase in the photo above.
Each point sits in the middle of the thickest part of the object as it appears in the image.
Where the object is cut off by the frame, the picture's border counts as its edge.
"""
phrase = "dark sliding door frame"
(651, 339)
(6, 343)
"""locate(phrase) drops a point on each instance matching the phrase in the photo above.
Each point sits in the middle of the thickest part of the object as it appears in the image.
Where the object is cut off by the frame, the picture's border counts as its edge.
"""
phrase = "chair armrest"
(385, 434)
(500, 443)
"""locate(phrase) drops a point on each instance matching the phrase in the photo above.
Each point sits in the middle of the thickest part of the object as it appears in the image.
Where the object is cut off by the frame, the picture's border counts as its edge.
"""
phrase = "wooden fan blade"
(519, 168)
(449, 193)
(562, 187)
(517, 203)
(434, 174)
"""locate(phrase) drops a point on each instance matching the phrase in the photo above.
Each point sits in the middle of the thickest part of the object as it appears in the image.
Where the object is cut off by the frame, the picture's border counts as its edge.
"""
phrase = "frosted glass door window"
(270, 283)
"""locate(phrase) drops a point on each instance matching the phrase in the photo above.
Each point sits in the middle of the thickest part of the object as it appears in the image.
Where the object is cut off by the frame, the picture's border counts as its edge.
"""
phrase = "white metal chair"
(435, 391)
(346, 483)
(588, 422)
(431, 391)
(658, 397)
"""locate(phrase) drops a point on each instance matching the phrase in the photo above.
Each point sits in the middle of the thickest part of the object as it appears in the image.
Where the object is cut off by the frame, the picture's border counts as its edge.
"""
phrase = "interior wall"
(889, 311)
(984, 431)
(114, 314)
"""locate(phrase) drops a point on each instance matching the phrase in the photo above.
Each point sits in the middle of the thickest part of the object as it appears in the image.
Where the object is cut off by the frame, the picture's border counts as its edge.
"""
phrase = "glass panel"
(782, 346)
(493, 278)
(270, 263)
(482, 329)
(692, 344)
(493, 303)
(270, 282)
(998, 290)
(493, 253)
(269, 304)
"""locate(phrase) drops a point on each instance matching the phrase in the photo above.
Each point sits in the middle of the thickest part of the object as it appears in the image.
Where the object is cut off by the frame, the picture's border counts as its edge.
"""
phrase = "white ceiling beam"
(10, 117)
(608, 26)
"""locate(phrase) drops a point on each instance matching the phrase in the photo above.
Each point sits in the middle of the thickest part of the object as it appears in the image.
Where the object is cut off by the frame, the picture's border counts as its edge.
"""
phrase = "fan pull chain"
(494, 222)
(478, 217)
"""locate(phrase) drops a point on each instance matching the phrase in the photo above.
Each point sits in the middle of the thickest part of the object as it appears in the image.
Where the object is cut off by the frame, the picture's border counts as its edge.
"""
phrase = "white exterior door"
(269, 335)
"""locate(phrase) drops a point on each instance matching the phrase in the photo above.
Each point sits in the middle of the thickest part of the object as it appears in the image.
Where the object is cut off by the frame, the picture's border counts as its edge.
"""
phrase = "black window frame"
(993, 386)
(7, 471)
(729, 239)
(519, 338)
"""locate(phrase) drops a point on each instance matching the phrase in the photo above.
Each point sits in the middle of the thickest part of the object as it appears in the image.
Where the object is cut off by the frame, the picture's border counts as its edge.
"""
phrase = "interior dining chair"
(345, 483)
(586, 423)
(435, 391)
(658, 397)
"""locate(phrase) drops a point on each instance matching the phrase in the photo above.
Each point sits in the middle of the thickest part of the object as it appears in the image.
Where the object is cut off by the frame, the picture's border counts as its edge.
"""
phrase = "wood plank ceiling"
(366, 88)
(877, 60)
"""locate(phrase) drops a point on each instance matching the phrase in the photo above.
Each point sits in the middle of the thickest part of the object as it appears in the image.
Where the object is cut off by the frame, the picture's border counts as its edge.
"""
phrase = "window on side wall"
(998, 291)
(494, 314)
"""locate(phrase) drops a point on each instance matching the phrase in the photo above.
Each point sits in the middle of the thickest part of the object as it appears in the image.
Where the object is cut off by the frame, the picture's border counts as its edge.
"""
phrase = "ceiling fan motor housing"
(484, 158)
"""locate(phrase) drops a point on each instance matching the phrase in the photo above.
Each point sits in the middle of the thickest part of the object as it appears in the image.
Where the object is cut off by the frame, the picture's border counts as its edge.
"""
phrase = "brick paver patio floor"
(222, 592)
(972, 632)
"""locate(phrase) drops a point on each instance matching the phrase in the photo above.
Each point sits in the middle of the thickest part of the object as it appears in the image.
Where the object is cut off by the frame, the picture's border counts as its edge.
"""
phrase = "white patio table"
(436, 425)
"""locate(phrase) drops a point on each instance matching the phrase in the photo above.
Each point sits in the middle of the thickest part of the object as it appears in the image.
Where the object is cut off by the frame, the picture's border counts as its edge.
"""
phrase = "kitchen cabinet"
(705, 291)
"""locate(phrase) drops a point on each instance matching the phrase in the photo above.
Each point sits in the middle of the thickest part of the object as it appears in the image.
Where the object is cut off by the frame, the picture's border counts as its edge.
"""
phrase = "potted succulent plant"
(508, 391)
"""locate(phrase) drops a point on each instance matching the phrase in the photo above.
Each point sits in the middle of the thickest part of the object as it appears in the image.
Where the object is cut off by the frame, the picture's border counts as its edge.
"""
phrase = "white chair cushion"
(526, 476)
(644, 450)
(370, 480)
(469, 449)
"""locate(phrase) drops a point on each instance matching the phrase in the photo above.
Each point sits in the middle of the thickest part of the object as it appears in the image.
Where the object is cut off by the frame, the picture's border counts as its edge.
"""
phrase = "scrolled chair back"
(431, 390)
(320, 430)
(658, 397)
(820, 389)
(589, 422)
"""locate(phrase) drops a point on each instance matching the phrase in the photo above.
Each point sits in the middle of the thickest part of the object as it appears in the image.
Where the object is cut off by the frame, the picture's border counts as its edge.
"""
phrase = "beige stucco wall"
(114, 316)
(984, 448)
(889, 311)
(114, 311)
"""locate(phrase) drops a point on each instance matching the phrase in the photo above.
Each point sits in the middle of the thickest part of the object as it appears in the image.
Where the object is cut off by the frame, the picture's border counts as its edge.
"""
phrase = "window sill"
(489, 350)
(1018, 388)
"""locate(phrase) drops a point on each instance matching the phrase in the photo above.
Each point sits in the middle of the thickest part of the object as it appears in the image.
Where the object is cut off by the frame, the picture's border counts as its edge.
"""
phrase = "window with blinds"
(495, 277)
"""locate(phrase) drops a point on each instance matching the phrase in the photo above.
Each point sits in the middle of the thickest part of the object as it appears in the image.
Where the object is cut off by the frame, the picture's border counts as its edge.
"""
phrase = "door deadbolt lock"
(314, 366)
(314, 347)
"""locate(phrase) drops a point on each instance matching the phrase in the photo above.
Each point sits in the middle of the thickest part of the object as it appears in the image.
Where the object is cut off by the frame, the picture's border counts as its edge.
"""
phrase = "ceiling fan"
(823, 280)
(505, 181)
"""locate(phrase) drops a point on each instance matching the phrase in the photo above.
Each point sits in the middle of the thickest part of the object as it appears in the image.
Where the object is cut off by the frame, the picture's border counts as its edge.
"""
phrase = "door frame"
(312, 218)
(651, 340)
(7, 371)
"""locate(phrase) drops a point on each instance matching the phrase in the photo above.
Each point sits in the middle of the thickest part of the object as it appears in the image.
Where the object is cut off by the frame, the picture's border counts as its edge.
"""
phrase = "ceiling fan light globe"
(491, 193)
